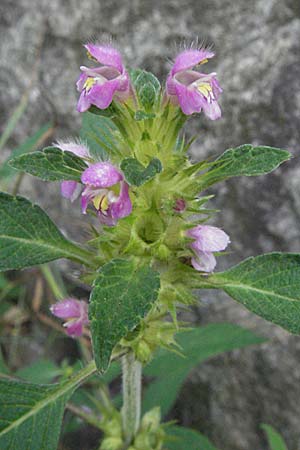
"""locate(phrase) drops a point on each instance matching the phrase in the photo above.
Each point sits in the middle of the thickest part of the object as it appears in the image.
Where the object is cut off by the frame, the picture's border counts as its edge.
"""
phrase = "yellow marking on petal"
(89, 83)
(204, 61)
(205, 89)
(101, 202)
(90, 56)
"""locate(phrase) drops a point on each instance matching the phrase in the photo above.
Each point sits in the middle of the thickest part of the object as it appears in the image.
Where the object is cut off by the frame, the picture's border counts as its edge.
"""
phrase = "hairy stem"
(131, 410)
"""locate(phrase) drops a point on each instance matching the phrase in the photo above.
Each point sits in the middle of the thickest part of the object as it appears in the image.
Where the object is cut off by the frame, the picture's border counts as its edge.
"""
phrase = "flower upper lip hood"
(99, 85)
(111, 205)
(194, 91)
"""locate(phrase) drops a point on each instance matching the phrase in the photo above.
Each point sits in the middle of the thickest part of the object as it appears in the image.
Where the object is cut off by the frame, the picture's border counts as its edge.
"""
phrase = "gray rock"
(258, 63)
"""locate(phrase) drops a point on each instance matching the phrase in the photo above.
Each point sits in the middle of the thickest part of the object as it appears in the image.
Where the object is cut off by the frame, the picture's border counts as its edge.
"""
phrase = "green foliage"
(30, 144)
(142, 115)
(42, 371)
(147, 87)
(186, 438)
(51, 164)
(29, 237)
(31, 414)
(244, 160)
(198, 344)
(275, 441)
(100, 135)
(268, 285)
(136, 174)
(123, 293)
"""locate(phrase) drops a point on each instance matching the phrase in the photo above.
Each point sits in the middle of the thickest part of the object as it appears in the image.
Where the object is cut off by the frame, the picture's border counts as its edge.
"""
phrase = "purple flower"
(106, 189)
(194, 91)
(75, 313)
(71, 189)
(99, 85)
(208, 239)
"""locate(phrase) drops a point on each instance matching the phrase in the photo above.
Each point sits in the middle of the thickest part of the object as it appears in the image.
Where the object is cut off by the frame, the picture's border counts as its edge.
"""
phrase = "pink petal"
(123, 206)
(74, 329)
(81, 80)
(204, 262)
(212, 110)
(66, 309)
(101, 95)
(84, 102)
(106, 55)
(208, 238)
(190, 100)
(69, 190)
(101, 175)
(190, 58)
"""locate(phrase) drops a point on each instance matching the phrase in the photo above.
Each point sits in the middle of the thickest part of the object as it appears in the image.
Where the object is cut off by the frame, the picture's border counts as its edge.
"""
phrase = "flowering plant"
(150, 245)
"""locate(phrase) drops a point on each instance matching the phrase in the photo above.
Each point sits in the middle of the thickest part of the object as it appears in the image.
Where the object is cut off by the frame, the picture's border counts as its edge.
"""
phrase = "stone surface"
(258, 62)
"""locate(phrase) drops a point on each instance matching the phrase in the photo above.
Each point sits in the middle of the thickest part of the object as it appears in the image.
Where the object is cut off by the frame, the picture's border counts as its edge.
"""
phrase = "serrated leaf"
(245, 160)
(99, 134)
(268, 285)
(136, 174)
(123, 293)
(51, 164)
(28, 236)
(27, 146)
(186, 438)
(275, 440)
(31, 414)
(197, 345)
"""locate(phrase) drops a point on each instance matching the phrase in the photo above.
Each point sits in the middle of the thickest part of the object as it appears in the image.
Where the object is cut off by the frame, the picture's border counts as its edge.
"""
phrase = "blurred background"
(257, 45)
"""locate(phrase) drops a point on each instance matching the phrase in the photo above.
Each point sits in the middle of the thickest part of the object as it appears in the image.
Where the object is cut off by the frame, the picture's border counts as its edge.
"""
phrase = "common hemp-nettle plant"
(150, 245)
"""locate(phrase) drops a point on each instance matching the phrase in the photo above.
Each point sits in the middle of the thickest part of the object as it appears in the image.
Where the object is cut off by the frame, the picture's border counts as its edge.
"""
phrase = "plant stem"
(132, 382)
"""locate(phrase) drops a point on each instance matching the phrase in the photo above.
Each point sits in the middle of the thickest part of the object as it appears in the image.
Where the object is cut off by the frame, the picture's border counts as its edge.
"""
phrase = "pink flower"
(98, 86)
(194, 91)
(208, 239)
(106, 189)
(71, 189)
(75, 313)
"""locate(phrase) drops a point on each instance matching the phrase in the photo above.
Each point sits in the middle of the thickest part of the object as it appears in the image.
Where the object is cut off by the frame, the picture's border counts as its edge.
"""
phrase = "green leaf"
(51, 164)
(198, 345)
(268, 285)
(186, 438)
(136, 174)
(244, 160)
(148, 88)
(100, 135)
(142, 115)
(28, 236)
(123, 293)
(41, 371)
(275, 441)
(27, 146)
(108, 112)
(31, 414)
